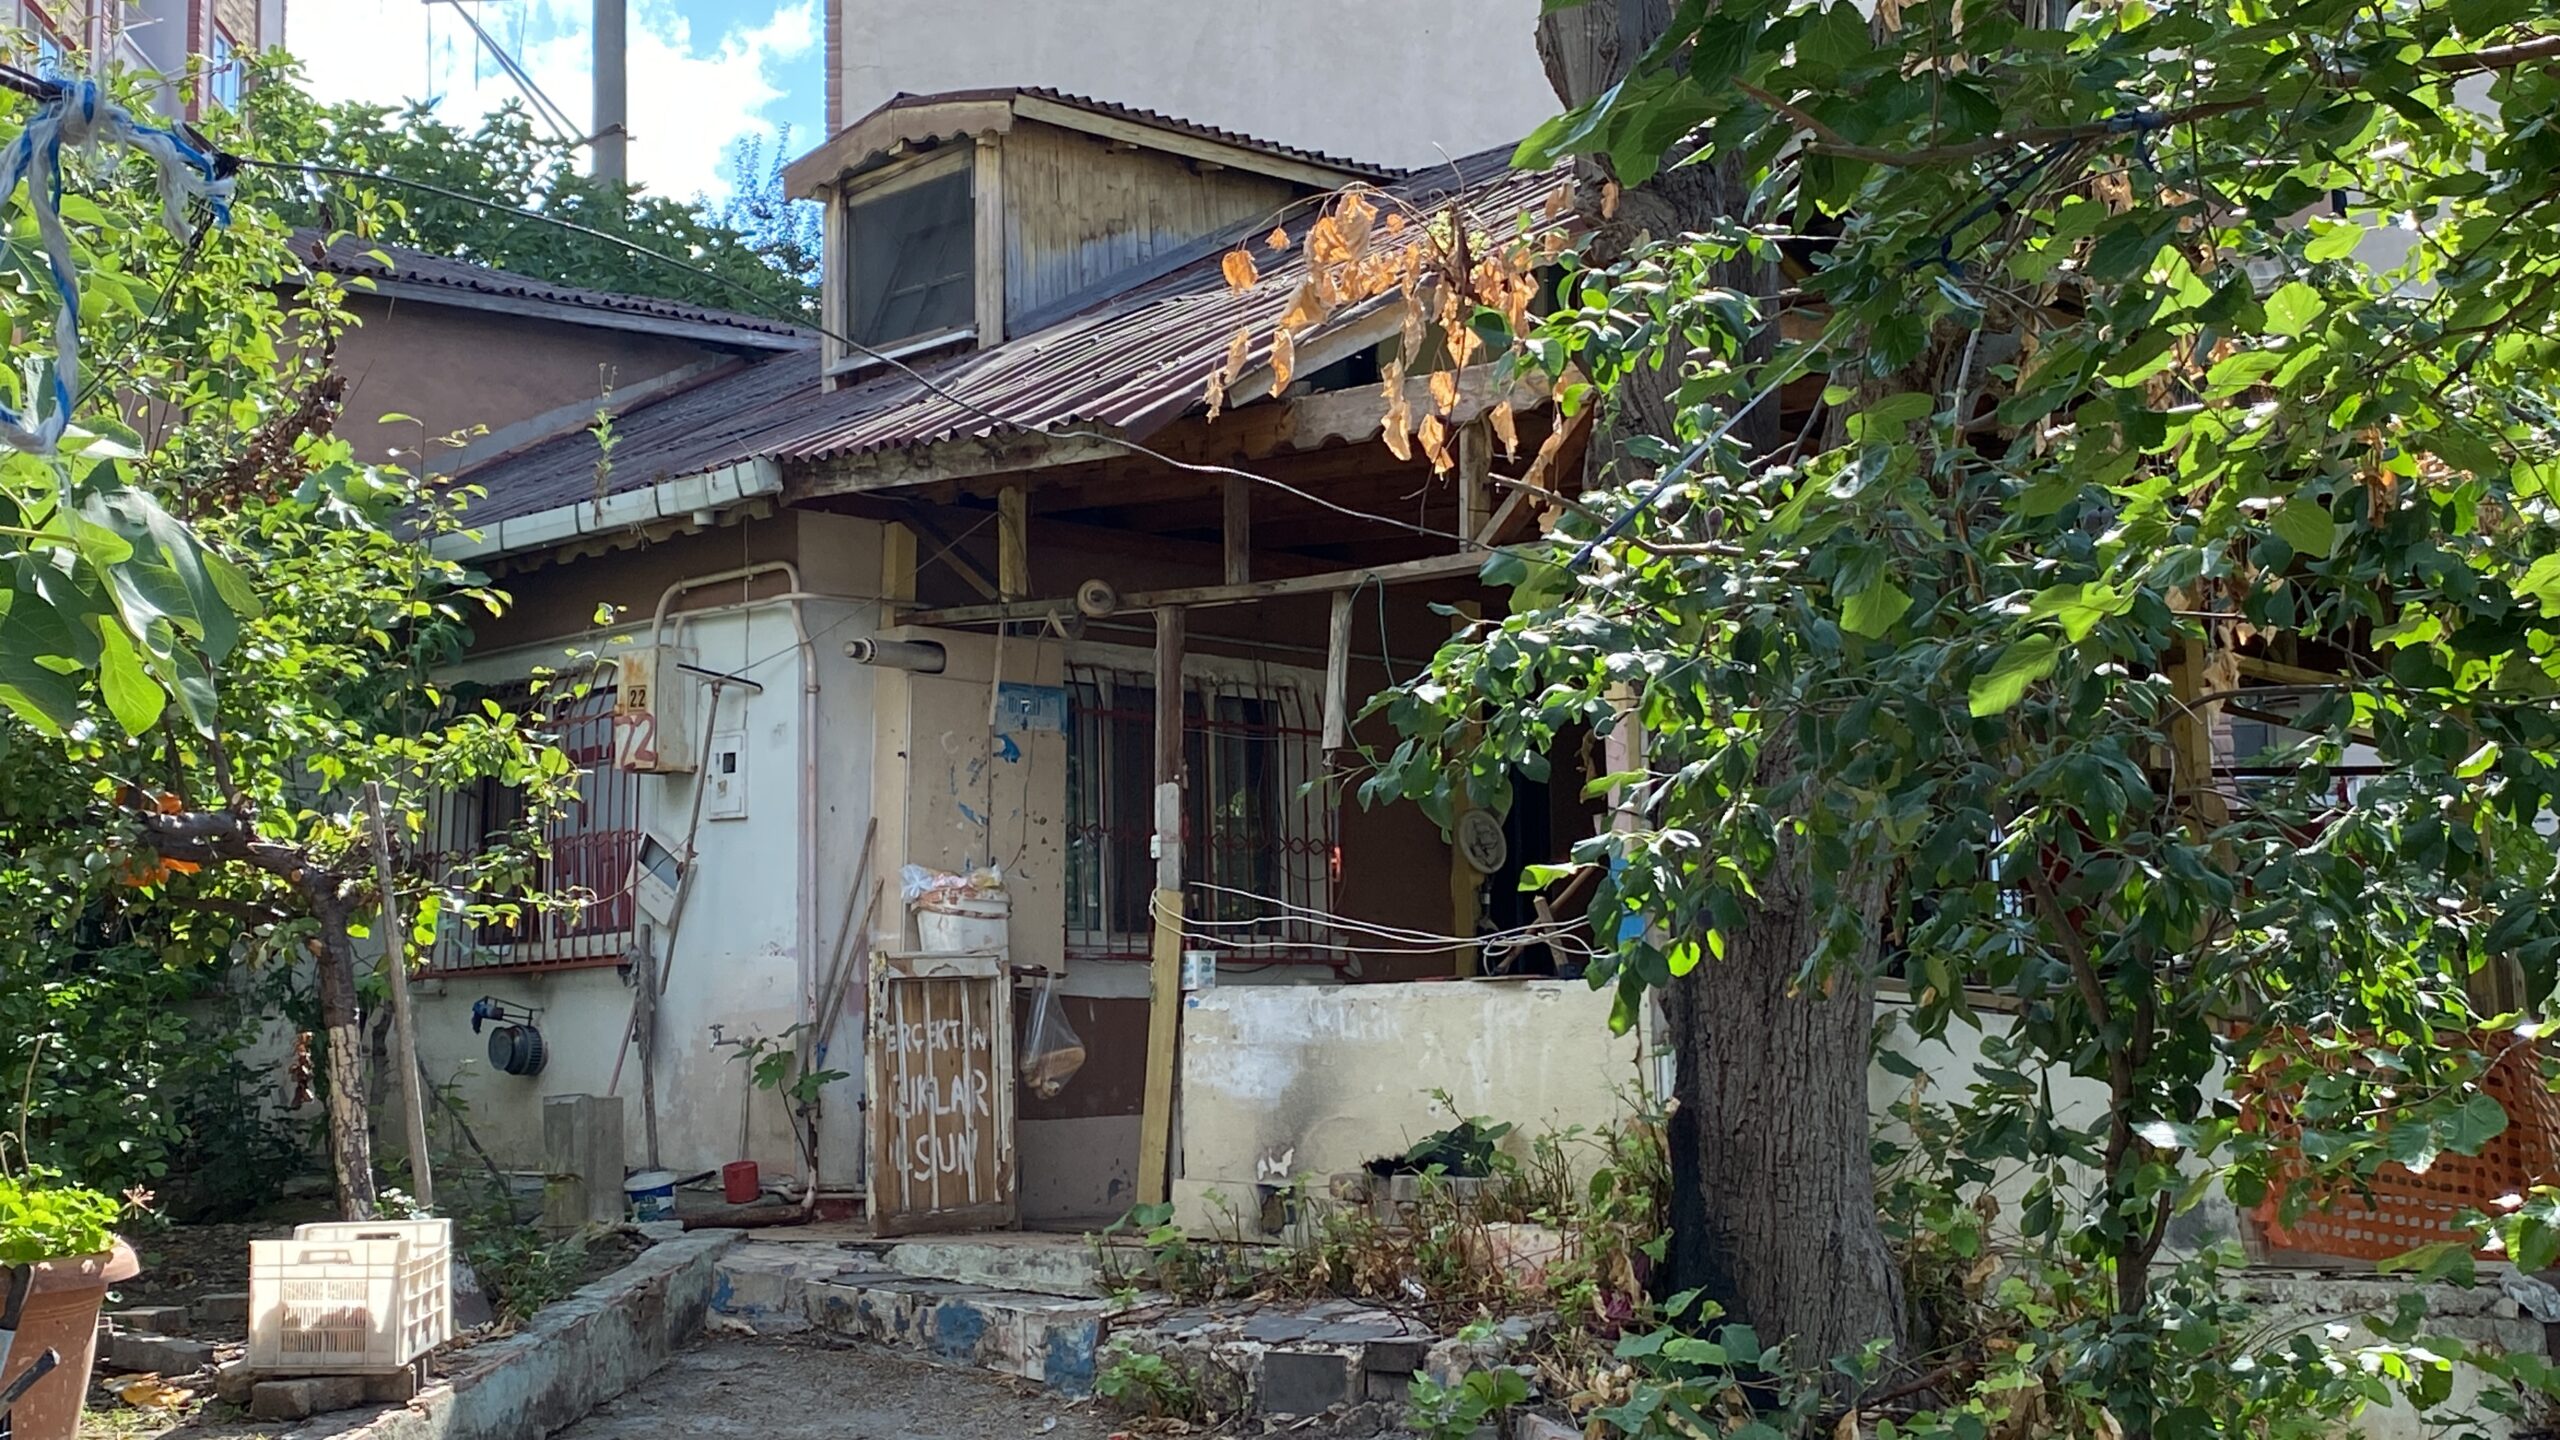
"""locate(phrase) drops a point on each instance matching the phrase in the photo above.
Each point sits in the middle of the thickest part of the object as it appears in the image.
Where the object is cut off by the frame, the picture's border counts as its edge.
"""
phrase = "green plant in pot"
(58, 1254)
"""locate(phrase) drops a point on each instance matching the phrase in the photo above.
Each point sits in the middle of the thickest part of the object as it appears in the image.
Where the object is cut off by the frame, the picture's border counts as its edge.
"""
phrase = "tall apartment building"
(165, 37)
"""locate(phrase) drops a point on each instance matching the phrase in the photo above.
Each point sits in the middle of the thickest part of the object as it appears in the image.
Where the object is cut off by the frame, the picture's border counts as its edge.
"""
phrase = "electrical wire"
(544, 106)
(922, 380)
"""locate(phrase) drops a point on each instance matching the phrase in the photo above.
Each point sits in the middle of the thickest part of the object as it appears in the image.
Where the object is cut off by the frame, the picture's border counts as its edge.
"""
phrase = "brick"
(158, 1354)
(227, 1312)
(302, 1399)
(151, 1320)
(1304, 1382)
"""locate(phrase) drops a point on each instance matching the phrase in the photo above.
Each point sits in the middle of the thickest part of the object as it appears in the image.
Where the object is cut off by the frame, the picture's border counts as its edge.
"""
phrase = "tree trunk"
(1773, 1186)
(341, 1021)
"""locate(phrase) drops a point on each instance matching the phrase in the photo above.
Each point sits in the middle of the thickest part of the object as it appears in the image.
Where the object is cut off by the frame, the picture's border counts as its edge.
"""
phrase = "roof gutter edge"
(679, 498)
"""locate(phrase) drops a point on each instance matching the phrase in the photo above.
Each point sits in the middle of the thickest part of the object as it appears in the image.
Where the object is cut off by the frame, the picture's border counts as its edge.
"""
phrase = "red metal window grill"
(588, 872)
(1256, 817)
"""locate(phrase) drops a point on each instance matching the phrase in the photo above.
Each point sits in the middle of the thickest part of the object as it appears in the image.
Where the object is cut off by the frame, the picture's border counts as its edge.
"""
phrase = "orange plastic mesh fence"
(2396, 1211)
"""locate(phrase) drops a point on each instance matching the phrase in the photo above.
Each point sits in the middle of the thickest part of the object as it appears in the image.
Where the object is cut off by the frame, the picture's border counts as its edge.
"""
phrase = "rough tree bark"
(1773, 1204)
(210, 837)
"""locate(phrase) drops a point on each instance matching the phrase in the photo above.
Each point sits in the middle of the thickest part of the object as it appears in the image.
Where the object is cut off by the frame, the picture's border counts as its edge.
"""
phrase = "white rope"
(81, 117)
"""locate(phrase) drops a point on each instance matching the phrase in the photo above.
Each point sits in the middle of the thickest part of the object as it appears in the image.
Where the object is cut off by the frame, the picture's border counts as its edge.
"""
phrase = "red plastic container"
(739, 1184)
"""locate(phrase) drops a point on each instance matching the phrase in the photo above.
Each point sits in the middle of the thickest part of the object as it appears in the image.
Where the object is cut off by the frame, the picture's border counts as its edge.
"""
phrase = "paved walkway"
(775, 1389)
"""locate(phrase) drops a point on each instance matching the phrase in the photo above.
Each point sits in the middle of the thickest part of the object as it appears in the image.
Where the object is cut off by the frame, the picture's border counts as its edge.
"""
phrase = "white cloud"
(692, 95)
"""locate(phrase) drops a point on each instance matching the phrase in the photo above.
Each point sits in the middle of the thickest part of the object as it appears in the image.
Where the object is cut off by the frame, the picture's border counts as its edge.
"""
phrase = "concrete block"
(226, 1313)
(304, 1398)
(158, 1354)
(1387, 1387)
(1305, 1382)
(581, 1161)
(151, 1320)
(1041, 1269)
(397, 1388)
(1395, 1357)
(233, 1382)
(1526, 1425)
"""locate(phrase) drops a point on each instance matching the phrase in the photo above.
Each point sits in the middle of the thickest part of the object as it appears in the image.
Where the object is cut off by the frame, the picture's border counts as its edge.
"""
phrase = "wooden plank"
(986, 191)
(1337, 674)
(942, 1093)
(1164, 988)
(1013, 542)
(946, 548)
(1430, 567)
(1356, 414)
(967, 457)
(1237, 529)
(897, 562)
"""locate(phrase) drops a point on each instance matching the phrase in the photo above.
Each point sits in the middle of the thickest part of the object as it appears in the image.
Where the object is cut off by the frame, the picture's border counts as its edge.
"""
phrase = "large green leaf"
(134, 698)
(2028, 659)
(1872, 611)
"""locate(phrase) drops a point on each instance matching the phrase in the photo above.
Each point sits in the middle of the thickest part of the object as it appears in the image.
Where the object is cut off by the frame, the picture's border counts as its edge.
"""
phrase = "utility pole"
(613, 92)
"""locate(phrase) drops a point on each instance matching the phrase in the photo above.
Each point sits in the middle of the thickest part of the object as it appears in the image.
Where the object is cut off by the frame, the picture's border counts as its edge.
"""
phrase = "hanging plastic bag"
(1052, 1053)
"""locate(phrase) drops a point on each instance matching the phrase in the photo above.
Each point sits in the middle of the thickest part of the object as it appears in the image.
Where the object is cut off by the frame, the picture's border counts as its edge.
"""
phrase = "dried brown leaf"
(1215, 393)
(1238, 348)
(1444, 391)
(1325, 245)
(1306, 308)
(1847, 1429)
(1394, 223)
(1506, 428)
(1559, 200)
(1395, 427)
(1608, 199)
(1277, 240)
(1434, 438)
(1284, 358)
(1239, 270)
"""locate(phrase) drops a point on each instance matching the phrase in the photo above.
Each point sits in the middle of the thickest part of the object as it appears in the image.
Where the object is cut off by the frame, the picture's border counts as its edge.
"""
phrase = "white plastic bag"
(1052, 1053)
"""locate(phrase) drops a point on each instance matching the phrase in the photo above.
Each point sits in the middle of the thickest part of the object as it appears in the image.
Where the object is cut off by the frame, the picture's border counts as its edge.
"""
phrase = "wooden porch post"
(1464, 882)
(1164, 990)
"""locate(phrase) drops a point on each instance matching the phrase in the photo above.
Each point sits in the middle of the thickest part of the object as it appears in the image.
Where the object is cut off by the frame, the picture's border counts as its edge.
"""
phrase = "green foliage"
(1453, 1412)
(774, 1063)
(1145, 1382)
(44, 1220)
(761, 247)
(2098, 404)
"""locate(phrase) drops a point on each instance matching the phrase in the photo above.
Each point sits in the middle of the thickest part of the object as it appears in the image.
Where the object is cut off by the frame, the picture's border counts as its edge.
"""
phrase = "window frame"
(925, 171)
(1264, 733)
(225, 74)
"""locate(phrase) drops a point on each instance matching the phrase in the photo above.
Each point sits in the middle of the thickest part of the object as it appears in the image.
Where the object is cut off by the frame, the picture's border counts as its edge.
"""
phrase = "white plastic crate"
(352, 1298)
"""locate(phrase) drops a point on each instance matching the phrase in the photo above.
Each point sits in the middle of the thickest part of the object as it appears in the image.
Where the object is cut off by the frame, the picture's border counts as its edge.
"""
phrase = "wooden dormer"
(955, 221)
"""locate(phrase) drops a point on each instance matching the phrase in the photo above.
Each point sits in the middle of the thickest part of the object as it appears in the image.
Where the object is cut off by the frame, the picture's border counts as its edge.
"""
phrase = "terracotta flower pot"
(53, 1305)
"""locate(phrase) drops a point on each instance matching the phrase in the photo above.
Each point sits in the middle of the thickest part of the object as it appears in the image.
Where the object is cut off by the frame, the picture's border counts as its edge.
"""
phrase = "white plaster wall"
(1402, 82)
(737, 958)
(1313, 1080)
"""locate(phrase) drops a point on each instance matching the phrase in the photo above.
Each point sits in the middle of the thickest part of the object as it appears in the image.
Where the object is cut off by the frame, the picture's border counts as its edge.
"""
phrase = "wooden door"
(941, 1087)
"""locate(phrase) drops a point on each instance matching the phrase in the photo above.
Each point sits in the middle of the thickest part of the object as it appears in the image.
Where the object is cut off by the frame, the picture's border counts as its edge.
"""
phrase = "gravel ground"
(779, 1390)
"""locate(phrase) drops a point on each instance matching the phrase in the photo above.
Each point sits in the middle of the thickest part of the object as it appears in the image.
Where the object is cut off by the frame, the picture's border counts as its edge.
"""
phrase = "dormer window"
(913, 248)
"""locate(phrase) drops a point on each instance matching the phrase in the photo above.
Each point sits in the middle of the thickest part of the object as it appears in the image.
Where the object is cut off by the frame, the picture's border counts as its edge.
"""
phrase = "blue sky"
(704, 74)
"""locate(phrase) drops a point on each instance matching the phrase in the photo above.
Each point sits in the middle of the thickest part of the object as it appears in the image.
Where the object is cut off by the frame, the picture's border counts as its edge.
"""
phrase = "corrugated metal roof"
(1128, 364)
(350, 256)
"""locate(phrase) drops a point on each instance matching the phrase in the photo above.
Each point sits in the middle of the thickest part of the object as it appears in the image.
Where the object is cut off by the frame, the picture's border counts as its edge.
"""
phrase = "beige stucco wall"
(451, 368)
(1343, 76)
(1286, 1081)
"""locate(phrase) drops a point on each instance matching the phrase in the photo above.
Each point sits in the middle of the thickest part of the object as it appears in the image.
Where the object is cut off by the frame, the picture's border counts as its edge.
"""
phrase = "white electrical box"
(655, 873)
(653, 711)
(725, 771)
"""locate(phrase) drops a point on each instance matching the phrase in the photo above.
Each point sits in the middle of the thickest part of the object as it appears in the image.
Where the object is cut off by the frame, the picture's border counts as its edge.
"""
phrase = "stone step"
(1051, 1339)
(1042, 1269)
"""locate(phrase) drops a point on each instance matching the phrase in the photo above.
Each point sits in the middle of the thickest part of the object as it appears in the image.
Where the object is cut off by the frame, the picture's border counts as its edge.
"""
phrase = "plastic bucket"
(652, 1194)
(739, 1183)
(958, 922)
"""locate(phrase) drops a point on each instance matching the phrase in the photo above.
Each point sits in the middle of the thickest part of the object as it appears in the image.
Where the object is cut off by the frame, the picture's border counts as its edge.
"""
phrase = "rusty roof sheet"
(1127, 363)
(347, 256)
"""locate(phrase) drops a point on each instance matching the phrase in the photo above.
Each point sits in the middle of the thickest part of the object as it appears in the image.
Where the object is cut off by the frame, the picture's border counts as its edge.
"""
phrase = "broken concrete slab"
(1052, 1339)
(157, 1354)
(224, 1313)
(303, 1398)
(152, 1320)
(1051, 1269)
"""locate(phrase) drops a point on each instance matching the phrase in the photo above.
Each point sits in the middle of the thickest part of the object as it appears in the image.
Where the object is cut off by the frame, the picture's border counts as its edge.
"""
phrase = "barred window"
(588, 872)
(1253, 821)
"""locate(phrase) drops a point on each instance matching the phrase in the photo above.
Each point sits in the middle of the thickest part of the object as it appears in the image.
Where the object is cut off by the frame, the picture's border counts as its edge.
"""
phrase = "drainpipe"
(806, 923)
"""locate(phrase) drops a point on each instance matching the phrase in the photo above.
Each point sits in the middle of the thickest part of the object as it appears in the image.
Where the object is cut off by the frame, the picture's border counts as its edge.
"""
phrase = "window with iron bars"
(1252, 820)
(587, 874)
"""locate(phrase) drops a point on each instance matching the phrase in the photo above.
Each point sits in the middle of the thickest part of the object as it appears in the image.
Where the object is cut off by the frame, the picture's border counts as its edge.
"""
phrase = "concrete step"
(1041, 1268)
(1051, 1339)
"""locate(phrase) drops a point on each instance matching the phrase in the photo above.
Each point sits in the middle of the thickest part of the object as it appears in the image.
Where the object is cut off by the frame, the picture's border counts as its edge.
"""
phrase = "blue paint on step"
(957, 1329)
(1067, 1360)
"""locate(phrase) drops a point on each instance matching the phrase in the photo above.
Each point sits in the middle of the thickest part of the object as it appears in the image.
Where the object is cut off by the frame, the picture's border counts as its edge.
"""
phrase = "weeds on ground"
(1146, 1383)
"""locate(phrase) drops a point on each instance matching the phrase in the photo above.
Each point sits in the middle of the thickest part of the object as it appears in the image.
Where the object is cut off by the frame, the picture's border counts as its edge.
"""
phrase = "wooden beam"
(986, 191)
(1475, 478)
(1191, 147)
(1434, 567)
(1013, 542)
(898, 563)
(1465, 884)
(947, 550)
(1356, 414)
(1164, 988)
(1337, 675)
(967, 457)
(1237, 529)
